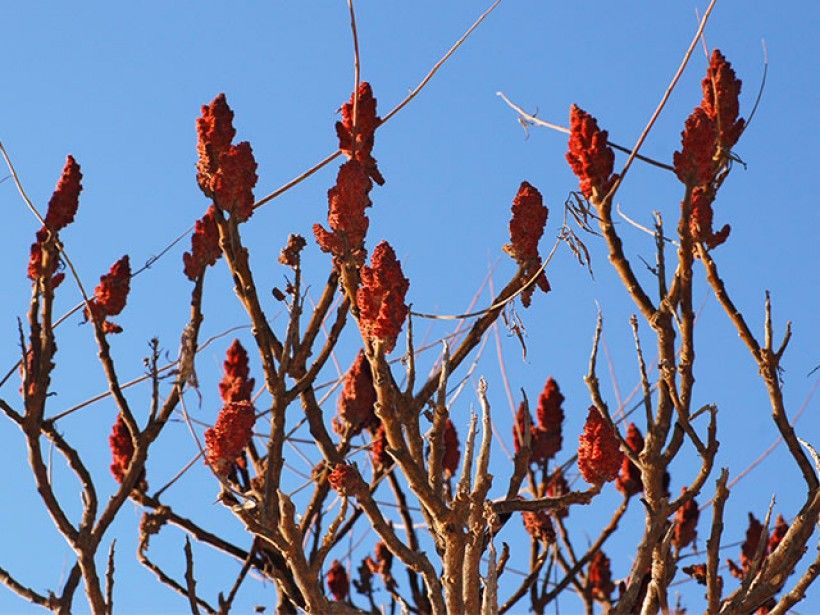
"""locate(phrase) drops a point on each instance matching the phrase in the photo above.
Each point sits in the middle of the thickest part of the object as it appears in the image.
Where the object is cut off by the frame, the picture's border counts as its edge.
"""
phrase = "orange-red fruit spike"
(229, 436)
(380, 298)
(348, 223)
(367, 121)
(205, 248)
(589, 155)
(550, 417)
(337, 581)
(695, 164)
(629, 481)
(539, 526)
(686, 524)
(121, 449)
(721, 99)
(342, 478)
(234, 181)
(600, 576)
(235, 384)
(599, 454)
(355, 408)
(62, 207)
(215, 132)
(529, 216)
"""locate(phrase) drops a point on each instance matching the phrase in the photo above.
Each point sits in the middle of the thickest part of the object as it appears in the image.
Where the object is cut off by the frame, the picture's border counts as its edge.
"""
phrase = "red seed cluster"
(539, 526)
(529, 217)
(226, 173)
(754, 533)
(380, 298)
(600, 577)
(686, 524)
(111, 295)
(231, 433)
(708, 135)
(629, 480)
(347, 201)
(62, 207)
(360, 145)
(234, 181)
(546, 438)
(721, 99)
(235, 384)
(122, 449)
(355, 408)
(205, 248)
(342, 478)
(589, 155)
(695, 164)
(451, 452)
(599, 454)
(215, 132)
(337, 581)
(550, 417)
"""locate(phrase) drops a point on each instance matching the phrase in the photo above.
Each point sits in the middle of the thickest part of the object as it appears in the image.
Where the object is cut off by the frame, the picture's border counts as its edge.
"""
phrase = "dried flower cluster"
(122, 449)
(355, 409)
(231, 433)
(205, 248)
(359, 146)
(380, 298)
(599, 454)
(686, 524)
(529, 217)
(708, 135)
(337, 581)
(347, 201)
(629, 480)
(600, 577)
(111, 295)
(226, 173)
(589, 155)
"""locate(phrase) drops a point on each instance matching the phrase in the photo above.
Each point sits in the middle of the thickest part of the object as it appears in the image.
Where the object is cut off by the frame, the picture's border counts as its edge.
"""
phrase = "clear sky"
(119, 86)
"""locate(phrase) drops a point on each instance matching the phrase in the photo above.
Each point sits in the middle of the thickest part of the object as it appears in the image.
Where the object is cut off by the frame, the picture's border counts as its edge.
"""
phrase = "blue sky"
(120, 88)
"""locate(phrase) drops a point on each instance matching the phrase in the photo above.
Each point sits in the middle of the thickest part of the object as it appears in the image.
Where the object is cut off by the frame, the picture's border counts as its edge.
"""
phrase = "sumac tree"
(405, 506)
